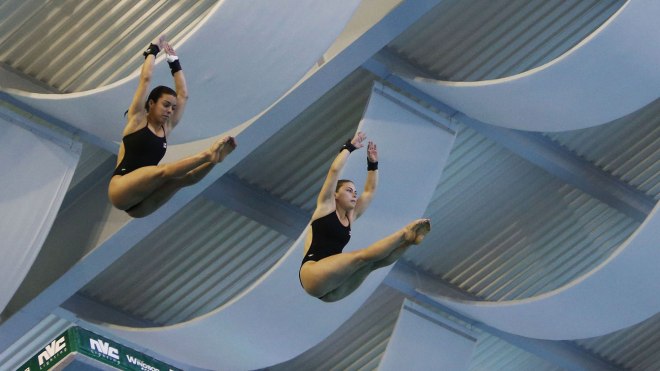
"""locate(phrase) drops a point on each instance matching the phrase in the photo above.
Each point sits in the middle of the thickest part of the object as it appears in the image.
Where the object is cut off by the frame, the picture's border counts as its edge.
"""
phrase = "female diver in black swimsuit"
(139, 185)
(328, 273)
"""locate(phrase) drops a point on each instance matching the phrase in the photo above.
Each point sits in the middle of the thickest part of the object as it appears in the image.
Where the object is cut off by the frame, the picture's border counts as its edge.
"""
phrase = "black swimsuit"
(329, 237)
(141, 148)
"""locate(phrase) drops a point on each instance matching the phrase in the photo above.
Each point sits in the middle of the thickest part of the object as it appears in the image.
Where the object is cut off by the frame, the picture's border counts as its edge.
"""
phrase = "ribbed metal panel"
(628, 148)
(35, 339)
(359, 343)
(193, 263)
(636, 348)
(487, 39)
(300, 155)
(494, 354)
(75, 45)
(504, 229)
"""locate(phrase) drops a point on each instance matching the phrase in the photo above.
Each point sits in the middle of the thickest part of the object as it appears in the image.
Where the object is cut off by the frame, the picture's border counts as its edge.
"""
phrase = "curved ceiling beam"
(610, 74)
(275, 320)
(238, 62)
(620, 292)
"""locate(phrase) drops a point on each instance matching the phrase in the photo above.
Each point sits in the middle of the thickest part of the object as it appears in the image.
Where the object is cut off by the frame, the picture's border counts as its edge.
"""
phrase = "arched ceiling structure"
(608, 75)
(516, 215)
(231, 51)
(603, 301)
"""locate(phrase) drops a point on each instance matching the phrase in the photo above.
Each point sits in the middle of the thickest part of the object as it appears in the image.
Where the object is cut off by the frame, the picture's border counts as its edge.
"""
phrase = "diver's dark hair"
(341, 182)
(157, 93)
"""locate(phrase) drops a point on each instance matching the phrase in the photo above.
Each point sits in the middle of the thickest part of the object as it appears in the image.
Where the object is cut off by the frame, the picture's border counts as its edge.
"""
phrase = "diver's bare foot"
(221, 149)
(213, 153)
(228, 147)
(414, 232)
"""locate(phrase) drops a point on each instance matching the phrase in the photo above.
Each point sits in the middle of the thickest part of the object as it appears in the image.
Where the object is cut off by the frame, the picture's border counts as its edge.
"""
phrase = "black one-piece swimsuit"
(329, 237)
(141, 148)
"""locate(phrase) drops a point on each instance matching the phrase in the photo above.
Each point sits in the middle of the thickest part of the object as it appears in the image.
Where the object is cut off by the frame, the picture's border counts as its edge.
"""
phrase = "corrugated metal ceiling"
(193, 263)
(628, 148)
(503, 228)
(636, 348)
(74, 45)
(300, 154)
(483, 39)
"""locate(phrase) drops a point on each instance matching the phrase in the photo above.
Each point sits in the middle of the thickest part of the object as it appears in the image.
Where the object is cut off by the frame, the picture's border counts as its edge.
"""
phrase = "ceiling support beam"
(531, 146)
(258, 205)
(567, 166)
